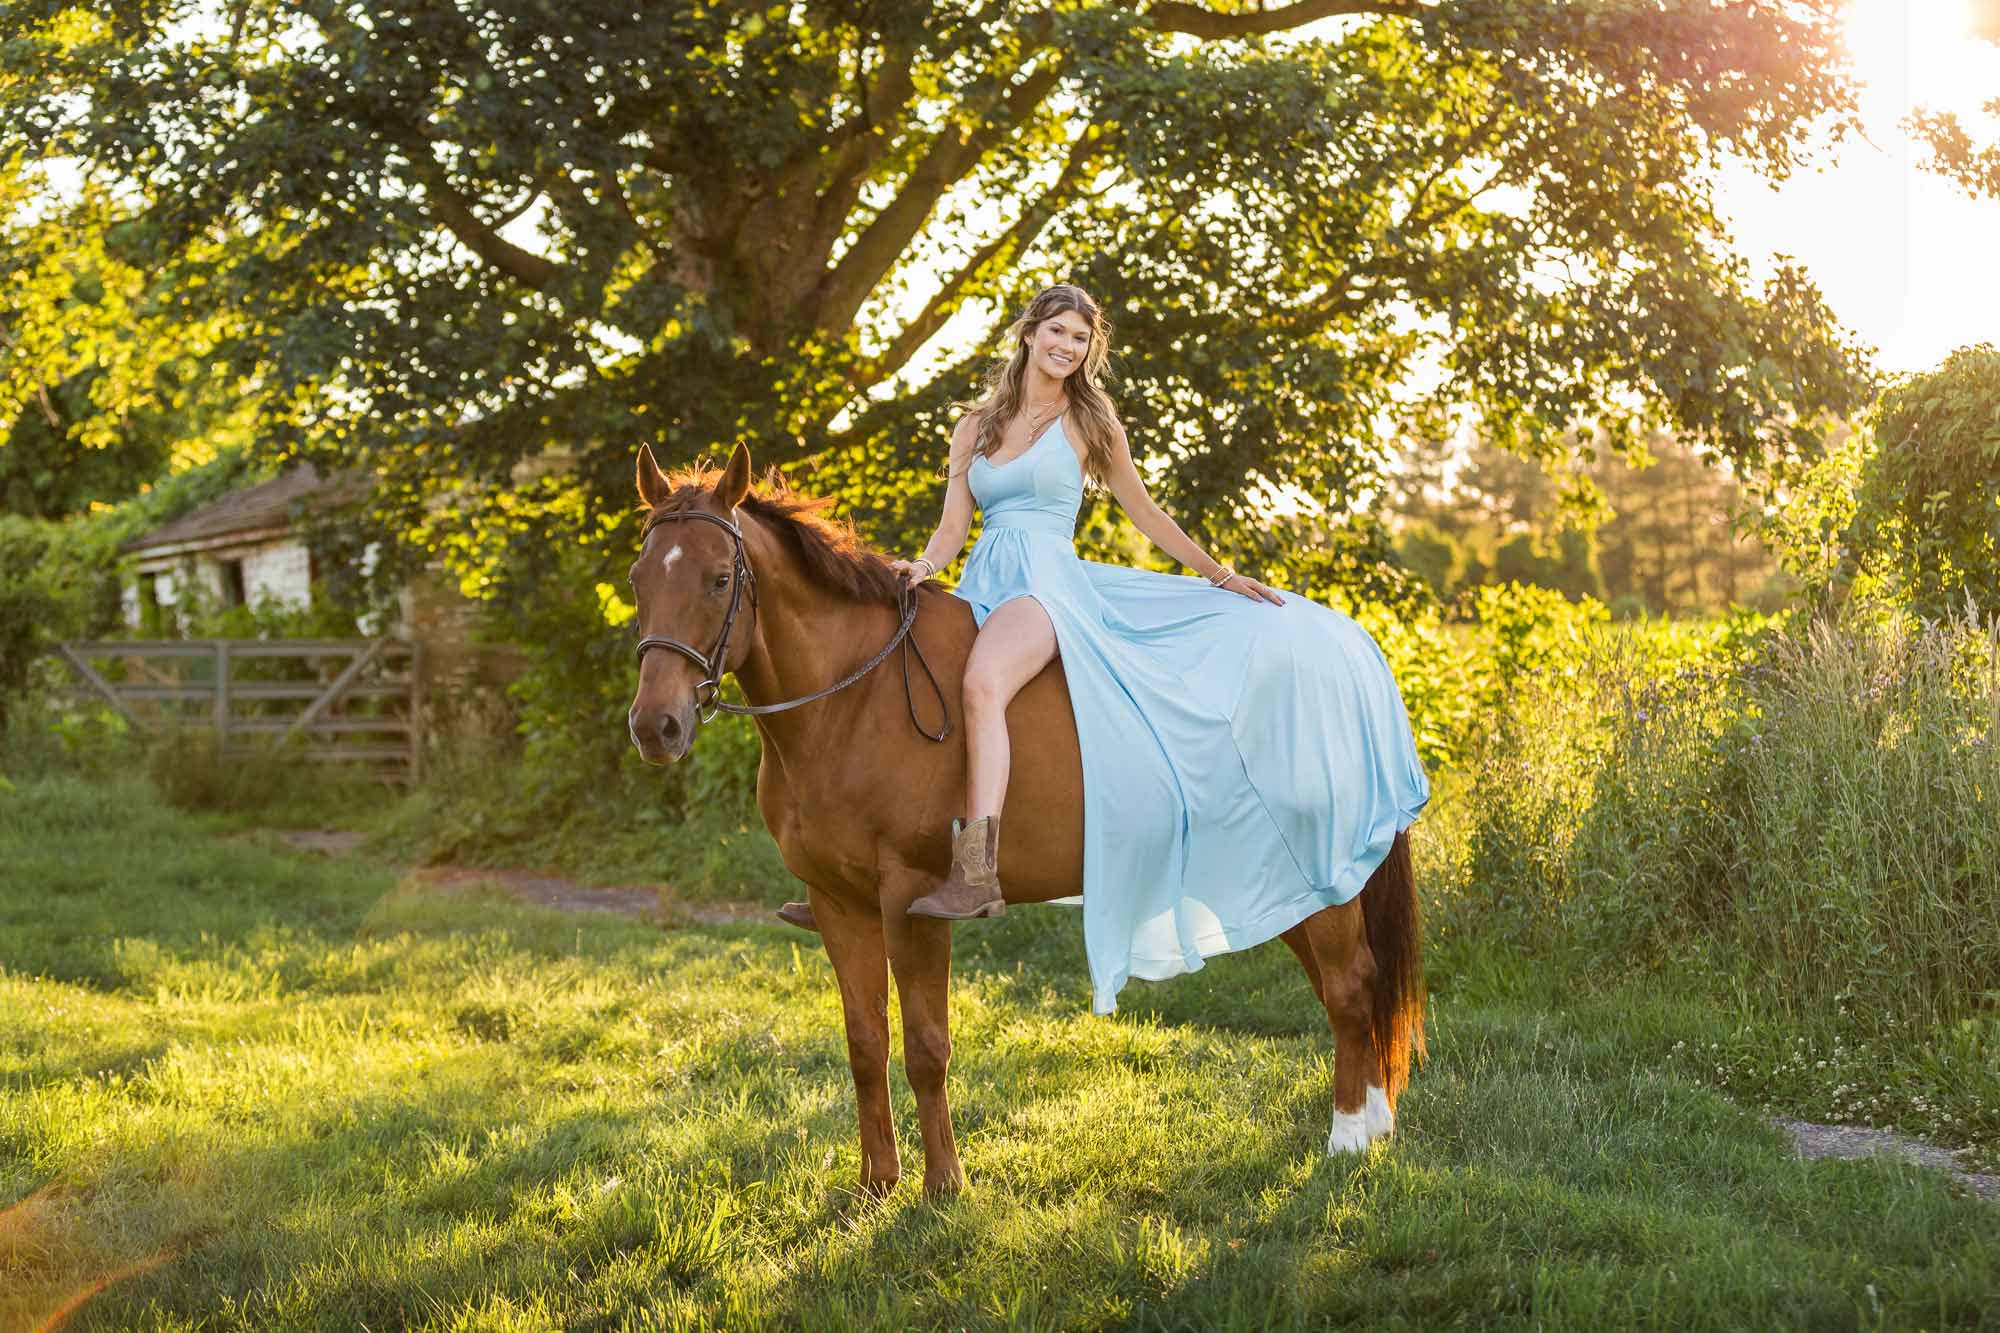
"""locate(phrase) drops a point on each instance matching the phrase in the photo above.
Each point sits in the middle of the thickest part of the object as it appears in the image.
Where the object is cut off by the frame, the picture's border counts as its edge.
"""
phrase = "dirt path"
(536, 887)
(1813, 1142)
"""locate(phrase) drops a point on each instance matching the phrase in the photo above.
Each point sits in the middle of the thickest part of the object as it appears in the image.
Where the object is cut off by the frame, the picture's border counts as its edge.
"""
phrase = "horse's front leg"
(853, 938)
(920, 953)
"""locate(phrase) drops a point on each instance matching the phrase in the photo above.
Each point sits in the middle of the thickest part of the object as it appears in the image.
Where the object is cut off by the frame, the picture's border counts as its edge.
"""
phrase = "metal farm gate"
(357, 701)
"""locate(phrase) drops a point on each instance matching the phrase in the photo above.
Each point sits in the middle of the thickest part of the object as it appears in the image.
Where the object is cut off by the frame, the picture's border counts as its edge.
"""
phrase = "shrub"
(1928, 511)
(56, 582)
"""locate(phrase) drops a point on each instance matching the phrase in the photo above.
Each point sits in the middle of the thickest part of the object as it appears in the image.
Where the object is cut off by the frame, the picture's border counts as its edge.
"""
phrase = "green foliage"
(1436, 557)
(1438, 675)
(1458, 681)
(1297, 228)
(271, 782)
(1809, 530)
(56, 582)
(47, 474)
(267, 617)
(1927, 515)
(1566, 563)
(1845, 805)
(110, 371)
(1534, 631)
(60, 580)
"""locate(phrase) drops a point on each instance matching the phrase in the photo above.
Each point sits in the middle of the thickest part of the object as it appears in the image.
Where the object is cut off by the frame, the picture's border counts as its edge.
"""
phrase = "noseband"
(714, 663)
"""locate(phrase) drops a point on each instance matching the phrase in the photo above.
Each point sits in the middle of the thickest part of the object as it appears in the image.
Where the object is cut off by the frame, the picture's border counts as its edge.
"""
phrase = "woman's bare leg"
(1016, 641)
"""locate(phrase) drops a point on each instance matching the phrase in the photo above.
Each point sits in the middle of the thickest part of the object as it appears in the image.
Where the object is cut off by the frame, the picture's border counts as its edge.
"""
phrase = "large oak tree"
(450, 235)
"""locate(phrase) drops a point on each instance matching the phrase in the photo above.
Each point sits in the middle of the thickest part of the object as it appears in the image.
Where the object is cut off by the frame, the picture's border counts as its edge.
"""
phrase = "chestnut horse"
(734, 579)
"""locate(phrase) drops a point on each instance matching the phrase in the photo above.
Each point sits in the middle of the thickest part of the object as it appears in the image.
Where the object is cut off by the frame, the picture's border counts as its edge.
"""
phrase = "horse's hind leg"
(920, 955)
(1333, 946)
(853, 937)
(1301, 946)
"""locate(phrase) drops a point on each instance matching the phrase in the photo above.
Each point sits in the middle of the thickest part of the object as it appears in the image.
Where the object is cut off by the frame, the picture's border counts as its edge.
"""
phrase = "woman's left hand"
(1246, 586)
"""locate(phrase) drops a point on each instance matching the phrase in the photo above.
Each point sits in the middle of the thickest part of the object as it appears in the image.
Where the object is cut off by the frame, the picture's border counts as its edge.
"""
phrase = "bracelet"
(925, 561)
(1221, 576)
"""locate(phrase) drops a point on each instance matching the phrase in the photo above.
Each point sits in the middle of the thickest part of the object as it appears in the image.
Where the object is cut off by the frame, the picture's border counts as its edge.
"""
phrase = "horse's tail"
(1390, 915)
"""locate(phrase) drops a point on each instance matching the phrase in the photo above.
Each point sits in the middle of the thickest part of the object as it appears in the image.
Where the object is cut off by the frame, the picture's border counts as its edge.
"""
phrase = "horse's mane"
(832, 554)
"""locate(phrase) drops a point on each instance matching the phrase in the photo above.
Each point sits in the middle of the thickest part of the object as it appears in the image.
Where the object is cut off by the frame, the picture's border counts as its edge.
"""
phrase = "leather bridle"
(714, 663)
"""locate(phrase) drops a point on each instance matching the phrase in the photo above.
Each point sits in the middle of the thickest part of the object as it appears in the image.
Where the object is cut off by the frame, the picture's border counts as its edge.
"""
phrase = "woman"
(1247, 758)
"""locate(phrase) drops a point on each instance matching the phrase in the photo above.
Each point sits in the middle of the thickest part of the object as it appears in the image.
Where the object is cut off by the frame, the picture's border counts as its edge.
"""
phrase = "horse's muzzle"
(662, 735)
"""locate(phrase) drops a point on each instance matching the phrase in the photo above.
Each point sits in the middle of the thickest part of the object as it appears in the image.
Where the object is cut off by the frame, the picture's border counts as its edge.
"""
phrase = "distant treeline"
(1667, 538)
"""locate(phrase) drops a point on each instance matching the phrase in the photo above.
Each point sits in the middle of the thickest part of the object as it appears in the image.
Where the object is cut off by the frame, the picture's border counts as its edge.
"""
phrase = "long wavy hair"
(1091, 413)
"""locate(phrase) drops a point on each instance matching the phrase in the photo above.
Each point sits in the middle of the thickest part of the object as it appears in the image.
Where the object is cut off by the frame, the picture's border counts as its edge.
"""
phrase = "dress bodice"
(1039, 490)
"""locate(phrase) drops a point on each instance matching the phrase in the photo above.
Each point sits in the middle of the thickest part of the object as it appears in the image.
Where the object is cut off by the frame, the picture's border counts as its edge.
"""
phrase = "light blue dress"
(1244, 764)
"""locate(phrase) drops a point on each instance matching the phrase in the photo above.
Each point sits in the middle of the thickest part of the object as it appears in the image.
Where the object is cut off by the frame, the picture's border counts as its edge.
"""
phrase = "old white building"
(250, 547)
(247, 547)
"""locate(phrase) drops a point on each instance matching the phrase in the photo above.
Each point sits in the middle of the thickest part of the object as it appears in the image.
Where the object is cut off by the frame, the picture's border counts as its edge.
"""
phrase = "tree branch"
(950, 157)
(1195, 21)
(861, 142)
(994, 255)
(448, 205)
(872, 417)
(859, 145)
(454, 210)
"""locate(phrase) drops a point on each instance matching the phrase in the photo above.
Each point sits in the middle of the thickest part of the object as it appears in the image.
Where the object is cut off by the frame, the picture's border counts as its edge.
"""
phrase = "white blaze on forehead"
(667, 561)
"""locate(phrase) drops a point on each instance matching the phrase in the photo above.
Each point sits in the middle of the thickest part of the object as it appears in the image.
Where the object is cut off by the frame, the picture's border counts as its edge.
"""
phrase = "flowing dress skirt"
(1244, 765)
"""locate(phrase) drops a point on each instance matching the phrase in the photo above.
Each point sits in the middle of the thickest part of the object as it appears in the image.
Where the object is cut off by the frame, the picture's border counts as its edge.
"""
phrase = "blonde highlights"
(1092, 417)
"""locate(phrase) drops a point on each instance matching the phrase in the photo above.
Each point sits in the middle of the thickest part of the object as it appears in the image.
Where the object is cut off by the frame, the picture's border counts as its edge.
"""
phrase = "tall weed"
(1816, 818)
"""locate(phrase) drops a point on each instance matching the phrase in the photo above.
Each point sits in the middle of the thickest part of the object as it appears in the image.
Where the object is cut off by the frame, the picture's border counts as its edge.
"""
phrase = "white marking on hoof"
(667, 561)
(1350, 1133)
(1381, 1120)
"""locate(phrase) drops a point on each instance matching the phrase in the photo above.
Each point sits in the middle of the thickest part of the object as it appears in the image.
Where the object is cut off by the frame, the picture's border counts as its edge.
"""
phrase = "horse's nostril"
(670, 730)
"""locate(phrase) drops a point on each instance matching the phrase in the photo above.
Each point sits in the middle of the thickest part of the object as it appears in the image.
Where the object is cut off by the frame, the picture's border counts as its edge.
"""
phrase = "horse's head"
(697, 604)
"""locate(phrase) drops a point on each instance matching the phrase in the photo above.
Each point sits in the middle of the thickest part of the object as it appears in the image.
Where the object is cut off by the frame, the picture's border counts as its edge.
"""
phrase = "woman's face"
(1058, 344)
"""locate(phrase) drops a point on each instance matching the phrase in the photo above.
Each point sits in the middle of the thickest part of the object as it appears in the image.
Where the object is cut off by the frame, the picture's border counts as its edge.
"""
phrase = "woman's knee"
(985, 687)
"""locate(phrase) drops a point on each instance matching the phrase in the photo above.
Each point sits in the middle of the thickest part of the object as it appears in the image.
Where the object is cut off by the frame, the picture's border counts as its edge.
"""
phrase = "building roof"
(261, 508)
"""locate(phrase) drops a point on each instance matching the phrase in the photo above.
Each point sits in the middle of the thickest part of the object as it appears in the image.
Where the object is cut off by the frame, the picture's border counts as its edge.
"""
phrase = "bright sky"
(1906, 259)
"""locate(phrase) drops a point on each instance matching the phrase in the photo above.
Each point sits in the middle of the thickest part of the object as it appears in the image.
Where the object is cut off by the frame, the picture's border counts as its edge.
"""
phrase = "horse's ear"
(652, 483)
(735, 483)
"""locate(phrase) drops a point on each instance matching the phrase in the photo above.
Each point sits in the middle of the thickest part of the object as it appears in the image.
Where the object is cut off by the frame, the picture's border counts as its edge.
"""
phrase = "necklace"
(1035, 425)
(1050, 413)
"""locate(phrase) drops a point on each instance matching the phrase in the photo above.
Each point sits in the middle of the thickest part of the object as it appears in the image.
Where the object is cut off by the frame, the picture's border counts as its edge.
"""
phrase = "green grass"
(313, 1097)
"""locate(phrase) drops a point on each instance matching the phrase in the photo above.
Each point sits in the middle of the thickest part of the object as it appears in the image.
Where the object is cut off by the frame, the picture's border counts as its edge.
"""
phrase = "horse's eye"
(721, 582)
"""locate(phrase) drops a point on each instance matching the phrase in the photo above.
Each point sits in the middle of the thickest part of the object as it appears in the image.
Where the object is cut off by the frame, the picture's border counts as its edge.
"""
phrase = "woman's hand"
(1246, 586)
(913, 572)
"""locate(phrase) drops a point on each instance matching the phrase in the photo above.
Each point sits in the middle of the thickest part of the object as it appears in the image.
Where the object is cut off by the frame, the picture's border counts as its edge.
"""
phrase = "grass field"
(244, 1088)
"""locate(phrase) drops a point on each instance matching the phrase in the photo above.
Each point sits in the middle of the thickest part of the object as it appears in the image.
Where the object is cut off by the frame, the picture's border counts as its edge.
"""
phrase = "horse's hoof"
(800, 915)
(1378, 1115)
(1349, 1134)
(946, 1187)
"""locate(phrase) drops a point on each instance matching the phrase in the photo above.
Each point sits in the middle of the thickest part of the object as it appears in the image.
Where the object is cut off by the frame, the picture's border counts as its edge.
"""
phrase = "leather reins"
(714, 663)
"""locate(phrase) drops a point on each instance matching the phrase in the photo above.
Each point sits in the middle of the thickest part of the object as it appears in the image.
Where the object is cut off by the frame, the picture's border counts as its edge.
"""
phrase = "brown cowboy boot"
(800, 915)
(973, 887)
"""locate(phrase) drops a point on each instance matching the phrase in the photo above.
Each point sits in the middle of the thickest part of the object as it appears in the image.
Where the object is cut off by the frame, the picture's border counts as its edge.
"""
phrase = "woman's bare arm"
(1130, 491)
(956, 521)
